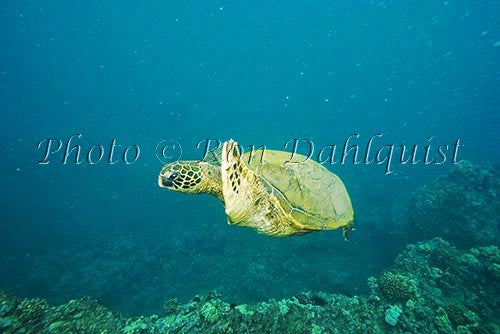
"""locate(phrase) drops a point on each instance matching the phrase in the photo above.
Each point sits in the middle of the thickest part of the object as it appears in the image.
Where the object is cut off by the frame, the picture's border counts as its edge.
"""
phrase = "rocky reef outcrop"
(462, 207)
(432, 287)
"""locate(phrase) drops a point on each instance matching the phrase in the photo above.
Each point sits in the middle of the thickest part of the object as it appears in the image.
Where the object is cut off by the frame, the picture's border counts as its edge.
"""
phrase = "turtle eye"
(174, 175)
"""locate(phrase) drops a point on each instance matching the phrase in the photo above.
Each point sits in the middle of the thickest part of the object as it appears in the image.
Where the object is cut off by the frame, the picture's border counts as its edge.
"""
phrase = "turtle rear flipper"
(347, 230)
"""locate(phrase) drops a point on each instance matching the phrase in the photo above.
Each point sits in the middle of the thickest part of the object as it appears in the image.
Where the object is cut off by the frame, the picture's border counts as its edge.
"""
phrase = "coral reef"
(154, 268)
(36, 316)
(462, 207)
(457, 296)
(415, 296)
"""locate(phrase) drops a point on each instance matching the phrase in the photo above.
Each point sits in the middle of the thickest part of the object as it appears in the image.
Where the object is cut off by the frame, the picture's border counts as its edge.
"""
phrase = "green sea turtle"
(263, 192)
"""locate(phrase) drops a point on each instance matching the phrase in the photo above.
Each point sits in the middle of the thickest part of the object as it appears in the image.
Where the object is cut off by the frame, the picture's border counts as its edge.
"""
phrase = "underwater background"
(424, 254)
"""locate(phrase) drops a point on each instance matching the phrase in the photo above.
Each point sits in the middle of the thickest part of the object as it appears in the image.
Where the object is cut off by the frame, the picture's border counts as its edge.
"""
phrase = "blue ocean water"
(262, 73)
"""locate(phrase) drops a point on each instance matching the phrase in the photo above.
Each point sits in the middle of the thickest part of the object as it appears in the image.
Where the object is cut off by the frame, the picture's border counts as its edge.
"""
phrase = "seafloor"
(448, 283)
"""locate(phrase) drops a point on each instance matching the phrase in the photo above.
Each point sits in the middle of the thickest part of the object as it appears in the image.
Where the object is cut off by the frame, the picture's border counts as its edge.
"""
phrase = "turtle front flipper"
(237, 183)
(248, 202)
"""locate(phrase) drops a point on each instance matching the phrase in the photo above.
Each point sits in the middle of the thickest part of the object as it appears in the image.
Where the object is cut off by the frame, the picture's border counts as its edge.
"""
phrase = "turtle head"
(181, 176)
(192, 177)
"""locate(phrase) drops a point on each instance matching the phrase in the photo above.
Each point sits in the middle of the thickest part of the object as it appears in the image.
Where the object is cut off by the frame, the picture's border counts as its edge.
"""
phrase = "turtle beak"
(164, 182)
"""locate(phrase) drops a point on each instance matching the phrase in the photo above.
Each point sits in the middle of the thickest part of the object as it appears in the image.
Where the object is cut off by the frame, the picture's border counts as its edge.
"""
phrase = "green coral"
(396, 287)
(392, 315)
(443, 258)
(209, 312)
(283, 307)
(317, 329)
(171, 306)
(136, 327)
(243, 310)
(456, 315)
(490, 257)
(442, 321)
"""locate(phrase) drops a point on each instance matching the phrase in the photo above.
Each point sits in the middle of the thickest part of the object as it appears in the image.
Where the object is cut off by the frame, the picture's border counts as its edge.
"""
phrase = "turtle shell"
(316, 198)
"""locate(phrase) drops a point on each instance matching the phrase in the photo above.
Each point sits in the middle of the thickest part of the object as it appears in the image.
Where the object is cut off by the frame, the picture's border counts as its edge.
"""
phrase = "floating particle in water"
(496, 44)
